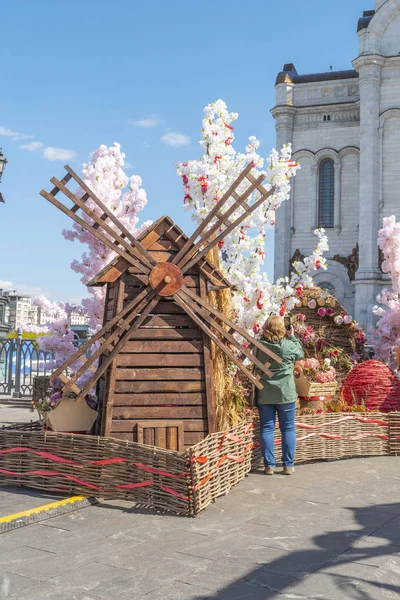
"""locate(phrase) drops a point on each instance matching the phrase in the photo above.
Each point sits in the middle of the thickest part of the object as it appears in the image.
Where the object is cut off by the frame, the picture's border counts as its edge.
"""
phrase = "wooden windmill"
(154, 376)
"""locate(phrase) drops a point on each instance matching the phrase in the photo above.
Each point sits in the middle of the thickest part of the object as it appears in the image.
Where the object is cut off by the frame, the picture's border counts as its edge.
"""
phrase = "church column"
(368, 274)
(284, 117)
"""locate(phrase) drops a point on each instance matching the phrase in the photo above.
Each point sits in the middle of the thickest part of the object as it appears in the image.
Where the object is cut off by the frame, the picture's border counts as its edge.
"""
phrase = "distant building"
(4, 327)
(76, 318)
(21, 312)
(344, 127)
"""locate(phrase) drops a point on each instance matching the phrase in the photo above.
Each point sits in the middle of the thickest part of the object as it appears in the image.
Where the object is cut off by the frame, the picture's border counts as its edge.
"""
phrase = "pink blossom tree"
(387, 333)
(125, 197)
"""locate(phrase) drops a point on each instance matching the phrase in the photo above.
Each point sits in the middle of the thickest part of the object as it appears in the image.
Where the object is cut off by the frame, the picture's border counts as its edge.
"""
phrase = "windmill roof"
(120, 265)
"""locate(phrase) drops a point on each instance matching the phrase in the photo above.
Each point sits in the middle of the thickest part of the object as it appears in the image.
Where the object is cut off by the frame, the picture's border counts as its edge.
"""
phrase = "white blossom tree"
(242, 253)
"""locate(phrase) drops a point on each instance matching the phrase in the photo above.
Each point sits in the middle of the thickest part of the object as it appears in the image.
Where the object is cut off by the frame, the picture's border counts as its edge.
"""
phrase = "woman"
(278, 395)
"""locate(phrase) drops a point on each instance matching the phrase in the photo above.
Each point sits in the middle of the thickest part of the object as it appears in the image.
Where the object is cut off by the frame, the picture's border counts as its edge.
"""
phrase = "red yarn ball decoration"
(373, 384)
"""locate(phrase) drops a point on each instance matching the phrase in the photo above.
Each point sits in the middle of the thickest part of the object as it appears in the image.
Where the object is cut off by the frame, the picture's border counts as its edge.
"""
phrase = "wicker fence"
(183, 483)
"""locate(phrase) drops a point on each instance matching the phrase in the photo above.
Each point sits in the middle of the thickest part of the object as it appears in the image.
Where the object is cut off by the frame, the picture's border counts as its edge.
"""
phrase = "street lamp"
(3, 162)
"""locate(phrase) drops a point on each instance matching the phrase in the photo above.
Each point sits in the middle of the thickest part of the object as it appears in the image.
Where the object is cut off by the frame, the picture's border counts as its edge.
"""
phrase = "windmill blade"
(240, 201)
(101, 237)
(245, 352)
(110, 342)
(145, 256)
(248, 210)
(101, 222)
(182, 302)
(253, 342)
(213, 213)
(120, 344)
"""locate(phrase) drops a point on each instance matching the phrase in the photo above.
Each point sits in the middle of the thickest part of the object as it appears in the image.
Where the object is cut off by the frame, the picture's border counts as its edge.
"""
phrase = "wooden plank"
(110, 378)
(159, 346)
(168, 308)
(166, 334)
(149, 399)
(172, 321)
(161, 437)
(154, 387)
(148, 436)
(196, 425)
(159, 412)
(192, 438)
(160, 360)
(172, 438)
(160, 374)
(208, 370)
(129, 425)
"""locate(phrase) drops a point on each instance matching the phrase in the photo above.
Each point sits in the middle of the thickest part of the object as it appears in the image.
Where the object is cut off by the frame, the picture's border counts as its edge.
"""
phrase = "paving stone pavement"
(16, 412)
(330, 532)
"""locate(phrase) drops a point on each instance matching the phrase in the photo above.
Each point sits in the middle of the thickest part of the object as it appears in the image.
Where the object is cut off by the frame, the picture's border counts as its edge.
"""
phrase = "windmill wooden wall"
(164, 372)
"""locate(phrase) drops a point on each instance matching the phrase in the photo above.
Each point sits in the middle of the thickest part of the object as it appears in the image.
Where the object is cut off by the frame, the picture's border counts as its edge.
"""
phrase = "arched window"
(328, 287)
(326, 196)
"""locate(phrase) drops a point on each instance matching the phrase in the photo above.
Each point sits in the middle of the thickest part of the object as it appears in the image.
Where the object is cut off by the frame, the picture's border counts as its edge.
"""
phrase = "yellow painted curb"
(39, 509)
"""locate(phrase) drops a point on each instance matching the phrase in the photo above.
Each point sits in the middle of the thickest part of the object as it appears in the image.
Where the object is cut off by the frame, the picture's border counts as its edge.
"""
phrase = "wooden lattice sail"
(154, 348)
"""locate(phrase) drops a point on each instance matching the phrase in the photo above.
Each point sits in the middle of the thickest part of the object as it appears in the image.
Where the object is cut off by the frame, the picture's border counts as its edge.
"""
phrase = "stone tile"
(154, 562)
(350, 580)
(48, 565)
(179, 591)
(11, 583)
(128, 586)
(21, 555)
(221, 574)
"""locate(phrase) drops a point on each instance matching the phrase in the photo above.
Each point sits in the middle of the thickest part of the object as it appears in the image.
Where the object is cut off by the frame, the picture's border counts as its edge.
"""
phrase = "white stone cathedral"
(345, 130)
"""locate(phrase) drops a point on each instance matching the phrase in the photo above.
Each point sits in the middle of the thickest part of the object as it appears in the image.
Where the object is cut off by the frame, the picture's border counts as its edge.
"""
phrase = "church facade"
(344, 127)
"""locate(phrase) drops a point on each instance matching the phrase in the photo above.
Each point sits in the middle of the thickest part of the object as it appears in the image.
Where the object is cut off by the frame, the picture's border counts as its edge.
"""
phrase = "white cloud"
(14, 135)
(148, 123)
(50, 153)
(21, 288)
(32, 146)
(127, 165)
(175, 139)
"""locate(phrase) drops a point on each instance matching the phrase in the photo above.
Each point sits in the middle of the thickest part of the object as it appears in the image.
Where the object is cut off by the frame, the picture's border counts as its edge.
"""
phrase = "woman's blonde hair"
(274, 329)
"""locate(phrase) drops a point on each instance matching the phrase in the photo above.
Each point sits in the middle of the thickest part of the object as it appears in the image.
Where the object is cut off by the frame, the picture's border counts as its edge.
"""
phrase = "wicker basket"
(182, 483)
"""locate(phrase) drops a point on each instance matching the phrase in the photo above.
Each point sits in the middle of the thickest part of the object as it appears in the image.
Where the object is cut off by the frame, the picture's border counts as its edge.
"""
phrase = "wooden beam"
(123, 326)
(189, 308)
(142, 264)
(102, 238)
(225, 334)
(145, 254)
(240, 201)
(236, 223)
(213, 213)
(118, 347)
(99, 335)
(233, 327)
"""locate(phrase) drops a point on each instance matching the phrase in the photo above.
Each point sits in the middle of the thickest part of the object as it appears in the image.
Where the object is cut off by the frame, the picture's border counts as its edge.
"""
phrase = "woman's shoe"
(288, 470)
(269, 471)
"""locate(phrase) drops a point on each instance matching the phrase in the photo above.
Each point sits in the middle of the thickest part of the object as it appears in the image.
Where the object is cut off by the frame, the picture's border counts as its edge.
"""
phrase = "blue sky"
(77, 73)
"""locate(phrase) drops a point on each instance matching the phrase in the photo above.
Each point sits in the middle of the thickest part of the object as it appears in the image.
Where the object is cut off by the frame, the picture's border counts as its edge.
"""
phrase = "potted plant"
(315, 381)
